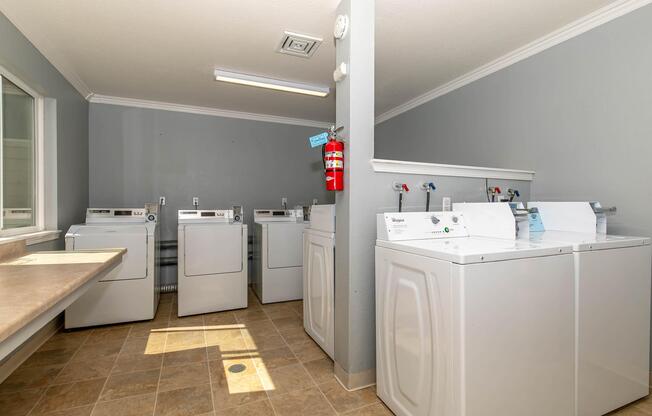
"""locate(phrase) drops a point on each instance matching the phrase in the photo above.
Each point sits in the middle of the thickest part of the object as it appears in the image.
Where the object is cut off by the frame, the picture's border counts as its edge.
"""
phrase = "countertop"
(32, 283)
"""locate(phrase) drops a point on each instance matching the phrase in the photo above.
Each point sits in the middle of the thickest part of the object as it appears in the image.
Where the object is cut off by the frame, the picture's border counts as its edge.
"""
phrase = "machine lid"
(469, 250)
(277, 215)
(588, 241)
(190, 216)
(322, 218)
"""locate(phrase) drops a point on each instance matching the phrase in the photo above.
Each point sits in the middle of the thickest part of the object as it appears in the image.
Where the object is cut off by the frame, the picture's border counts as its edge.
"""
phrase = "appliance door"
(131, 237)
(212, 249)
(284, 245)
(318, 289)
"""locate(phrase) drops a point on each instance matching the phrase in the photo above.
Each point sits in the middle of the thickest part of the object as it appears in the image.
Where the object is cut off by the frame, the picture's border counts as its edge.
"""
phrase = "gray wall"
(137, 155)
(579, 114)
(20, 57)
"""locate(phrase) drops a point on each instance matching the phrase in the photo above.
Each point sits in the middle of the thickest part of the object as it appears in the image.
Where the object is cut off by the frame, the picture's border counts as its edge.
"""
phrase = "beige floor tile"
(271, 359)
(50, 357)
(166, 298)
(279, 311)
(67, 396)
(220, 318)
(130, 362)
(108, 334)
(184, 340)
(259, 408)
(86, 370)
(302, 402)
(147, 329)
(30, 377)
(129, 406)
(265, 327)
(378, 409)
(194, 355)
(226, 339)
(286, 379)
(295, 336)
(262, 342)
(150, 345)
(288, 323)
(308, 351)
(250, 315)
(65, 340)
(19, 403)
(320, 370)
(77, 411)
(130, 384)
(173, 378)
(194, 321)
(95, 351)
(188, 401)
(237, 391)
(343, 400)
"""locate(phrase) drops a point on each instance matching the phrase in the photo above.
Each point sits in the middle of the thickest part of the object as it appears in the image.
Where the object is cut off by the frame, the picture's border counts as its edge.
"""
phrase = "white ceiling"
(166, 50)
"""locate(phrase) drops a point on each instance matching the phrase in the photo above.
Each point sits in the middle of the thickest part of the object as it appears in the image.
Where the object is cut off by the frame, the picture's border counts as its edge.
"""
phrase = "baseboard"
(355, 381)
(22, 353)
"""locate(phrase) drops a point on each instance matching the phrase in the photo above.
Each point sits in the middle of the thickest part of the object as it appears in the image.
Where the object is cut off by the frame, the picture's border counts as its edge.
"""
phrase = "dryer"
(613, 282)
(212, 269)
(319, 277)
(471, 326)
(278, 255)
(131, 291)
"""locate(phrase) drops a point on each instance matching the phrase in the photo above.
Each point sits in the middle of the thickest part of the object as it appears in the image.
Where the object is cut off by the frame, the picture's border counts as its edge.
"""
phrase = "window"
(20, 198)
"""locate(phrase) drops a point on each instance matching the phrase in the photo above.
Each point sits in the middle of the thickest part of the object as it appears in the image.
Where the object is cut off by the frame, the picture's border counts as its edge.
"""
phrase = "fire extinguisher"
(333, 155)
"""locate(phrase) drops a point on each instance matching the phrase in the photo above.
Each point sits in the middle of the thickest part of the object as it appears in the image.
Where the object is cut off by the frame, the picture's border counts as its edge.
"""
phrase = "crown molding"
(209, 111)
(576, 28)
(437, 169)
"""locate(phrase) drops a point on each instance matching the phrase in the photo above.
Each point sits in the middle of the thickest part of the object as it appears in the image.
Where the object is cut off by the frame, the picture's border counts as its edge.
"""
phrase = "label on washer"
(422, 225)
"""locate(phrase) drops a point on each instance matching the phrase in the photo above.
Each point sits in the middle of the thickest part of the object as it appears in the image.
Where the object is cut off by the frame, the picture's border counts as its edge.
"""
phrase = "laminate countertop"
(33, 283)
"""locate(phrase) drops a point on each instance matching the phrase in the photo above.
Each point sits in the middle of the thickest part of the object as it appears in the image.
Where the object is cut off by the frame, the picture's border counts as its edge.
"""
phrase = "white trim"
(209, 111)
(33, 237)
(576, 28)
(436, 169)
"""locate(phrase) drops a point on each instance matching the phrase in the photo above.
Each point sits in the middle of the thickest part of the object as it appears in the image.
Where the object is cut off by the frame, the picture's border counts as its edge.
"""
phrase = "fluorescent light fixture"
(270, 83)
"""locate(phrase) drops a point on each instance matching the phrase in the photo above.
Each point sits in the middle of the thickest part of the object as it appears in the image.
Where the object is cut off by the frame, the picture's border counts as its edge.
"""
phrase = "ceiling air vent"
(298, 45)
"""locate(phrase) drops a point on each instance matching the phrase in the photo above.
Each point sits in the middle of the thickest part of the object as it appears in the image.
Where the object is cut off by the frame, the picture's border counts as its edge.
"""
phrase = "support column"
(355, 356)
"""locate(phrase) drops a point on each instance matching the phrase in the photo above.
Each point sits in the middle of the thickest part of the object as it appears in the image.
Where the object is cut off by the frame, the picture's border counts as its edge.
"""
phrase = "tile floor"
(179, 366)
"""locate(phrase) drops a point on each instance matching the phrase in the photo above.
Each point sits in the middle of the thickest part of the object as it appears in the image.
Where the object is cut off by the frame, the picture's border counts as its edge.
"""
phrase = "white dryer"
(212, 270)
(471, 326)
(278, 255)
(131, 291)
(319, 277)
(612, 278)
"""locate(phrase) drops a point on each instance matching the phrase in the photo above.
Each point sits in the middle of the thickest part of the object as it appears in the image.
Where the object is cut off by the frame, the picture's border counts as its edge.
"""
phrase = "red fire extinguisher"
(333, 155)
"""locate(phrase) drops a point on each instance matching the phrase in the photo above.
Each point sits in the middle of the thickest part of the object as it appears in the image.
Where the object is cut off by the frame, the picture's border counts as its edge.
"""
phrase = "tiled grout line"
(45, 390)
(208, 366)
(160, 370)
(110, 371)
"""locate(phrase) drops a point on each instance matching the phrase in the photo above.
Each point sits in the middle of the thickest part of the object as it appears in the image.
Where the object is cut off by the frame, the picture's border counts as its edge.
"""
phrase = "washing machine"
(212, 269)
(278, 255)
(131, 291)
(612, 280)
(471, 326)
(319, 277)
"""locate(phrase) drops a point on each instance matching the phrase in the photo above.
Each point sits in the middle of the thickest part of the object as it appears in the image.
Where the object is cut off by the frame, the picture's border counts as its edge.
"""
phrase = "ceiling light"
(270, 83)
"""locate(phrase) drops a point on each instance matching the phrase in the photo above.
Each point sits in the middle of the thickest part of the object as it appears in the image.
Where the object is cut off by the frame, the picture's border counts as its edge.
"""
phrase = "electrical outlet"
(284, 201)
(314, 201)
(195, 201)
(161, 200)
(397, 186)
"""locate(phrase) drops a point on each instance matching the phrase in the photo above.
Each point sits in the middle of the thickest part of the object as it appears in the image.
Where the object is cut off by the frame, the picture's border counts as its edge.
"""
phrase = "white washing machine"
(212, 269)
(471, 326)
(131, 291)
(278, 255)
(612, 280)
(319, 277)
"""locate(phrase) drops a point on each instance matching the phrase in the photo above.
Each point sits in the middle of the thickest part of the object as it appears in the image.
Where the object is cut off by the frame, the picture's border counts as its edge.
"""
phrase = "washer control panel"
(211, 215)
(420, 225)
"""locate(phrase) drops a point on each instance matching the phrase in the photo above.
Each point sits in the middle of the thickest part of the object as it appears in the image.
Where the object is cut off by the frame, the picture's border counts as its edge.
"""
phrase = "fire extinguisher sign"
(318, 140)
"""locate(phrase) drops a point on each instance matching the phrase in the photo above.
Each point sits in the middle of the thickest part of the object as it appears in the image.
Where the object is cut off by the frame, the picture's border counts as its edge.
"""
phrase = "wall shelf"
(436, 169)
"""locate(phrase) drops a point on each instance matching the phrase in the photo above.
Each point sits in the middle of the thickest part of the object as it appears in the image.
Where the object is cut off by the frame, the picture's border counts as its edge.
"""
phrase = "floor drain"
(237, 368)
